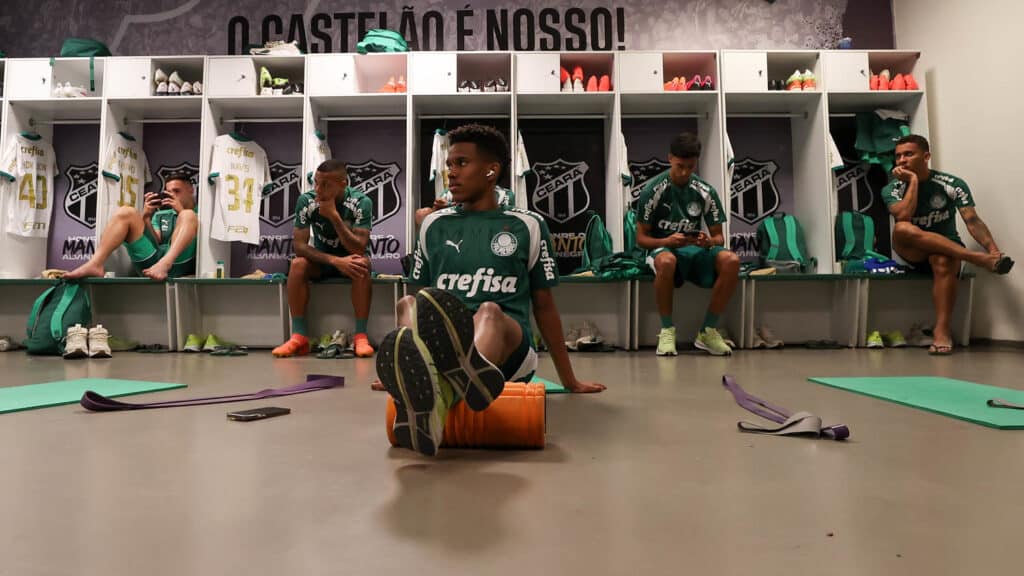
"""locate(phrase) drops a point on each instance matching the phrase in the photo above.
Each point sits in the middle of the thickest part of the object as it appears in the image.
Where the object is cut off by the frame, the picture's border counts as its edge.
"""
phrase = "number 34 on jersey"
(239, 173)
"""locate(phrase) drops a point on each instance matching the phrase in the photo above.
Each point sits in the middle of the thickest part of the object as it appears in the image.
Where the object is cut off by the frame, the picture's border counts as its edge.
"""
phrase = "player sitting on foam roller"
(161, 241)
(924, 203)
(469, 333)
(672, 208)
(338, 218)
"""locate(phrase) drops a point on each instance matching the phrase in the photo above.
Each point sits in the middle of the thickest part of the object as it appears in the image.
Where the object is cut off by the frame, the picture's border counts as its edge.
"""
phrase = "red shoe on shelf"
(577, 74)
(390, 87)
(911, 83)
(592, 83)
(693, 83)
(564, 76)
(708, 84)
(874, 81)
(670, 86)
(604, 84)
(883, 83)
(898, 83)
(400, 85)
(566, 81)
(678, 84)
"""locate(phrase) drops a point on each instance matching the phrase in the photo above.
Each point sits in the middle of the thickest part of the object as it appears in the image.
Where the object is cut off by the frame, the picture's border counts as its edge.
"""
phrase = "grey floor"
(650, 477)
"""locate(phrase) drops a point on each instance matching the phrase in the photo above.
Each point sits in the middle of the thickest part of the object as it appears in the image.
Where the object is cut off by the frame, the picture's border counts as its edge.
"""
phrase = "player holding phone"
(673, 208)
(161, 241)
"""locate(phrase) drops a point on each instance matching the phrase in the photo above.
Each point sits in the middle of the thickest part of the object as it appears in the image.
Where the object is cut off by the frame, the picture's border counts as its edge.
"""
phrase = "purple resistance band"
(99, 403)
(801, 423)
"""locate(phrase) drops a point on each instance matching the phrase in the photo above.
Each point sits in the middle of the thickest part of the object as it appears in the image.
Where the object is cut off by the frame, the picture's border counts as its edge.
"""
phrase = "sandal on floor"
(347, 353)
(230, 351)
(940, 350)
(330, 352)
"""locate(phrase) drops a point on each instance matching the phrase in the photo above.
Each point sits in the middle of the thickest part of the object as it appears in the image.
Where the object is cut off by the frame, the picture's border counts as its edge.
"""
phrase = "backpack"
(781, 239)
(52, 313)
(380, 40)
(597, 244)
(855, 236)
(83, 47)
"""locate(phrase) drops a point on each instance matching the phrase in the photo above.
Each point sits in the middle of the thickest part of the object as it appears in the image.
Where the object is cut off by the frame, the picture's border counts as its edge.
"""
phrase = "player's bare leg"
(126, 225)
(185, 228)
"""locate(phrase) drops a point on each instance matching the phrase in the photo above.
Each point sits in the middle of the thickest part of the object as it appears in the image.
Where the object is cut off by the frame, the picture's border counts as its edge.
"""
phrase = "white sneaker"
(197, 88)
(186, 89)
(159, 77)
(572, 339)
(577, 85)
(567, 86)
(771, 341)
(99, 345)
(173, 89)
(589, 335)
(161, 89)
(277, 48)
(756, 342)
(76, 345)
(917, 337)
(175, 78)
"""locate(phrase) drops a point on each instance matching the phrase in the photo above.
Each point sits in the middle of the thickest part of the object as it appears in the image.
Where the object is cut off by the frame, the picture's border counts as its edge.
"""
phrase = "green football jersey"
(498, 256)
(938, 199)
(356, 210)
(669, 209)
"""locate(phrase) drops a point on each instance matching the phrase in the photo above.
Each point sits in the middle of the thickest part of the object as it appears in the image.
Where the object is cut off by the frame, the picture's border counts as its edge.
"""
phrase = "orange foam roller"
(514, 420)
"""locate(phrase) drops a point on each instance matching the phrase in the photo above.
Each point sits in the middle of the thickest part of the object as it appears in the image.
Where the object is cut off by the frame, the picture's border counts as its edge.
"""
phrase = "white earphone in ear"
(490, 173)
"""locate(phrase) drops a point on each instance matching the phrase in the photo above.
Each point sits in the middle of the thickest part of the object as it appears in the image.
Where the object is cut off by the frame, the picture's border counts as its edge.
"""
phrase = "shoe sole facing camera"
(403, 366)
(445, 325)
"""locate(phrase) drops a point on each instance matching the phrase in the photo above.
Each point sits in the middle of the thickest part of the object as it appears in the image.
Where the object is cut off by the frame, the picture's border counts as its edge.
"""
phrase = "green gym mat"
(15, 398)
(946, 396)
(549, 386)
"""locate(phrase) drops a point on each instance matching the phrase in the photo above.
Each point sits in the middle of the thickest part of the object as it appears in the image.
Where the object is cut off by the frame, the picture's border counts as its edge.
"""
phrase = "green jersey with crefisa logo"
(938, 199)
(498, 256)
(356, 210)
(669, 209)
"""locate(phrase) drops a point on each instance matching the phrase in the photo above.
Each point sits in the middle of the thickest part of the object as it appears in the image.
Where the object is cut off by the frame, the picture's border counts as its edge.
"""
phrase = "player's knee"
(404, 304)
(126, 212)
(489, 310)
(941, 264)
(299, 267)
(665, 263)
(728, 261)
(904, 231)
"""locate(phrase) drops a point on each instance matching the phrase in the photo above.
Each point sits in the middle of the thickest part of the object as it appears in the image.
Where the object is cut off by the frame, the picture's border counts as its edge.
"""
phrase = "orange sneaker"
(391, 87)
(911, 83)
(400, 86)
(604, 84)
(898, 83)
(297, 345)
(592, 84)
(362, 345)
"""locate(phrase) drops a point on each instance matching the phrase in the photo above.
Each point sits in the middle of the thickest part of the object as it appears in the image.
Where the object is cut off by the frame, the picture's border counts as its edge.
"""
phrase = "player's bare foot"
(157, 271)
(87, 270)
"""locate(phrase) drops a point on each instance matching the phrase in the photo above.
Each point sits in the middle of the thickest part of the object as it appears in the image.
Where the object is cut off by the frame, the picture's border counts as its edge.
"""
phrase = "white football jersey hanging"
(240, 172)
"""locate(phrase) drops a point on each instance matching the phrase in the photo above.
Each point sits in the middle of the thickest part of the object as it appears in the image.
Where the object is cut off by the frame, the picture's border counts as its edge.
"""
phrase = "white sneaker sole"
(673, 353)
(101, 354)
(701, 346)
(76, 354)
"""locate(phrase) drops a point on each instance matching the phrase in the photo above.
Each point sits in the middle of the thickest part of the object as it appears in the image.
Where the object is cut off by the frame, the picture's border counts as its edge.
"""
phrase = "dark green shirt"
(356, 210)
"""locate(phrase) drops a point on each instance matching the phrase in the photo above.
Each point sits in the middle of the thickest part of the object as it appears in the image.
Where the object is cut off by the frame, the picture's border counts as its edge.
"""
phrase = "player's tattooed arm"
(978, 229)
(300, 241)
(355, 240)
(903, 211)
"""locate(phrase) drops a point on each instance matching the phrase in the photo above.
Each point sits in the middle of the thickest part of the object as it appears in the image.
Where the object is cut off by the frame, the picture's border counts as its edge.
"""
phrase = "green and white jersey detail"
(163, 221)
(27, 172)
(523, 163)
(439, 163)
(356, 210)
(499, 256)
(506, 198)
(669, 209)
(317, 152)
(125, 174)
(938, 199)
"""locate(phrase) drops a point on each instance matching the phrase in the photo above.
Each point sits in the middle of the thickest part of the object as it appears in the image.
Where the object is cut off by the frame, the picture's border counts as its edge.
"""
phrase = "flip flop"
(1004, 265)
(230, 351)
(940, 350)
(347, 353)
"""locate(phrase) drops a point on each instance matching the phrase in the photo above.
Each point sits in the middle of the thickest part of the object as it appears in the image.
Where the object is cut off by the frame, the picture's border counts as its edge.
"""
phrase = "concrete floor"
(650, 477)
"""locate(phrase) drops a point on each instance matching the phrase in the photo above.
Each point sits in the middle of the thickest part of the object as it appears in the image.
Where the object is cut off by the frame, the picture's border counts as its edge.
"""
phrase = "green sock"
(710, 321)
(299, 325)
(666, 321)
(361, 325)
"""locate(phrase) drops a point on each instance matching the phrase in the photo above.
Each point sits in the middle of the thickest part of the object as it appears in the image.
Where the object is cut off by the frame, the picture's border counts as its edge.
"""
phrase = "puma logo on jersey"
(483, 280)
(934, 217)
(458, 247)
(681, 226)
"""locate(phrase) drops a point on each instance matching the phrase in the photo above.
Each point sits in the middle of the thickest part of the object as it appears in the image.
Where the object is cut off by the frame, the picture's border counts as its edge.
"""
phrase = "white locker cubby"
(329, 74)
(433, 73)
(28, 78)
(537, 73)
(847, 71)
(744, 71)
(641, 72)
(129, 78)
(232, 76)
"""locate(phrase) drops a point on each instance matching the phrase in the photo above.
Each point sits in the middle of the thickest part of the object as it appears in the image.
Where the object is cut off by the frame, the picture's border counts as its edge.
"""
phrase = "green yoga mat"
(15, 398)
(549, 386)
(956, 398)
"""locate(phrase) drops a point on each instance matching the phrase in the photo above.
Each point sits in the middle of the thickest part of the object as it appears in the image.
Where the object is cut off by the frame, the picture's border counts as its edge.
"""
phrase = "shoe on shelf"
(710, 340)
(390, 86)
(911, 83)
(500, 85)
(186, 89)
(563, 75)
(577, 74)
(361, 343)
(297, 345)
(766, 271)
(589, 335)
(567, 85)
(884, 80)
(692, 83)
(667, 342)
(898, 83)
(875, 82)
(76, 344)
(577, 86)
(323, 341)
(99, 342)
(197, 88)
(894, 339)
(571, 338)
(277, 48)
(464, 86)
(592, 84)
(771, 341)
(875, 340)
(809, 81)
(161, 89)
(194, 343)
(795, 82)
(173, 89)
(279, 85)
(266, 82)
(159, 76)
(604, 84)
(707, 84)
(175, 78)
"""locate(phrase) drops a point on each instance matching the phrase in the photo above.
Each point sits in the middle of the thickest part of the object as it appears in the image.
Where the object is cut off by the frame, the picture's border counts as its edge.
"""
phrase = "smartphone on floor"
(258, 413)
